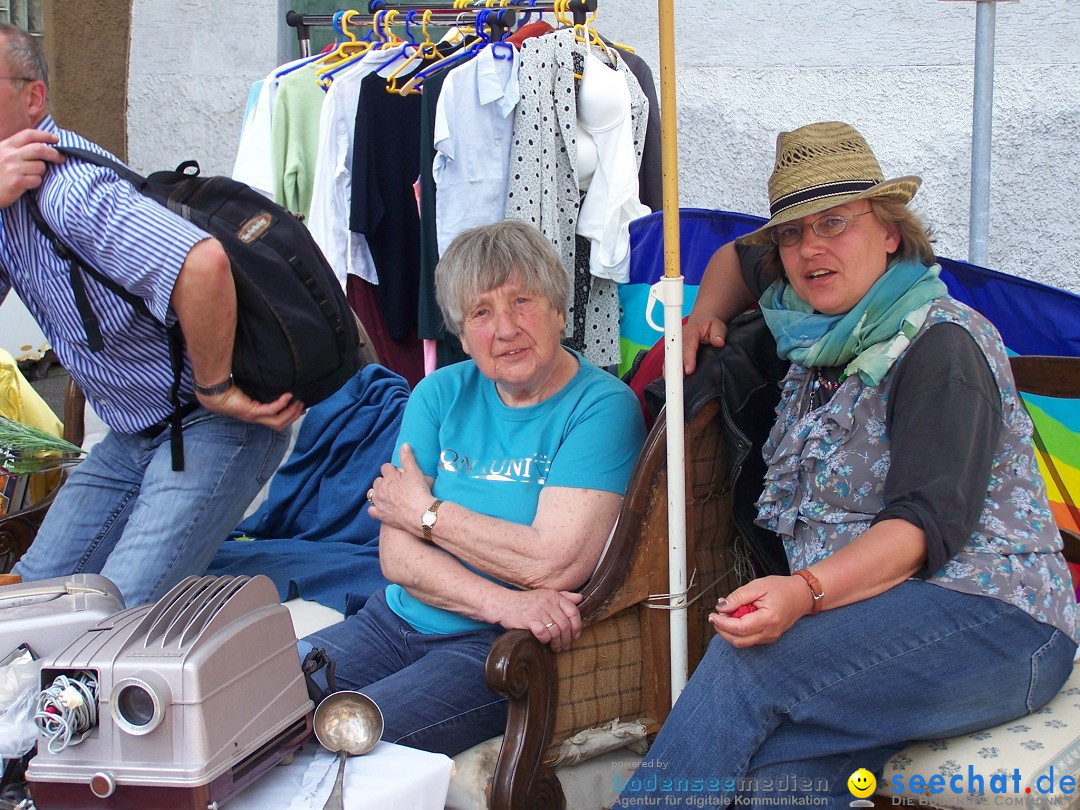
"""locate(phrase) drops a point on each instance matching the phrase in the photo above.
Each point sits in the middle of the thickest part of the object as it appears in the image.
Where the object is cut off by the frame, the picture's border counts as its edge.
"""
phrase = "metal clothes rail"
(446, 12)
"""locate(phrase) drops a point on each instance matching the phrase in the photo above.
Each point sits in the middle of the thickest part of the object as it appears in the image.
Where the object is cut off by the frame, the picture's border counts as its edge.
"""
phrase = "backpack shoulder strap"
(76, 268)
(132, 177)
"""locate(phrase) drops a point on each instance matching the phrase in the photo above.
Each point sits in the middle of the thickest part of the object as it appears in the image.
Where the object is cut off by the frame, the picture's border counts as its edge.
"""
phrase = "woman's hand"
(779, 603)
(706, 330)
(400, 495)
(551, 616)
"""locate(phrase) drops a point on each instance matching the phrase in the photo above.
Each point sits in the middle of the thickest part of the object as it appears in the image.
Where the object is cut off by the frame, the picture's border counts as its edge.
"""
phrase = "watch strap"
(432, 510)
(214, 390)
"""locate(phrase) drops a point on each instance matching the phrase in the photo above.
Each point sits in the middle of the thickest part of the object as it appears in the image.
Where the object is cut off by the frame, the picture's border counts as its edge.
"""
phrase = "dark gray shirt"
(943, 418)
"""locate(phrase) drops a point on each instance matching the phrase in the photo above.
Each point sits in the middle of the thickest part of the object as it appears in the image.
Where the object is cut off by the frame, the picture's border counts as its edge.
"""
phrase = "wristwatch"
(427, 521)
(213, 390)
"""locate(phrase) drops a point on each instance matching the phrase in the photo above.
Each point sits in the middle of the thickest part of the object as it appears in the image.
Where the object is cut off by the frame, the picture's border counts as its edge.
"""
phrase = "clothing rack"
(442, 11)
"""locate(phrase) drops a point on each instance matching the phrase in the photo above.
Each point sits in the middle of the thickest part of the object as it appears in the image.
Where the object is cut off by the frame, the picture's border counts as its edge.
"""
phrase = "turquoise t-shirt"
(494, 459)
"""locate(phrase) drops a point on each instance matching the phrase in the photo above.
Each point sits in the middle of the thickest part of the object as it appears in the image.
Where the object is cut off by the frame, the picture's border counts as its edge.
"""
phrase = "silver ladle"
(349, 724)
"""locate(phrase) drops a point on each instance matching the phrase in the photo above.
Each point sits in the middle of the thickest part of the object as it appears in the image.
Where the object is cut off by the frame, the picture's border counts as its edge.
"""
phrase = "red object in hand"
(742, 610)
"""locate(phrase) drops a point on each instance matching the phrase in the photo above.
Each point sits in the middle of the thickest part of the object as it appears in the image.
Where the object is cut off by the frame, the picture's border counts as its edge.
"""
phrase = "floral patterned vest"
(827, 470)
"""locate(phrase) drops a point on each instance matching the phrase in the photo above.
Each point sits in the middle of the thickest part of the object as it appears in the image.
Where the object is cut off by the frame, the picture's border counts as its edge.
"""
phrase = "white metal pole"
(981, 127)
(670, 292)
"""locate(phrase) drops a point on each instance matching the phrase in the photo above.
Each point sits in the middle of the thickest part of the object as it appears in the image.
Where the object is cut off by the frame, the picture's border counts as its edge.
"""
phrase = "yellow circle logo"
(862, 783)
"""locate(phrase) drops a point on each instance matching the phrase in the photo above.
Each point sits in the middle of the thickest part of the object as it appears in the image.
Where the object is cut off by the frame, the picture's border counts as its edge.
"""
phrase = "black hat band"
(819, 191)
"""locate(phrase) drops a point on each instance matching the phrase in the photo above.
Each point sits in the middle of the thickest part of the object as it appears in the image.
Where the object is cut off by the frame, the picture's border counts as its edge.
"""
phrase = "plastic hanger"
(465, 53)
(528, 14)
(418, 51)
(590, 37)
(500, 48)
(384, 19)
(347, 53)
(431, 54)
(561, 18)
(348, 45)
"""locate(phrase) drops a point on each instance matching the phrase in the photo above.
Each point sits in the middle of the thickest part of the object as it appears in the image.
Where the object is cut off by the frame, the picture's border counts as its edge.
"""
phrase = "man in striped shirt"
(124, 512)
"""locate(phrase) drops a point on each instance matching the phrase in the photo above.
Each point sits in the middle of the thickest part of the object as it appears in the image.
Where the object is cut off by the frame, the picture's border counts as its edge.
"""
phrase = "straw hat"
(820, 166)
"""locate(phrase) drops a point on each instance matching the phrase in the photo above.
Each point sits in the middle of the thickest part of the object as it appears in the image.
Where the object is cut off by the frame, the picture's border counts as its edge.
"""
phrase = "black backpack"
(295, 330)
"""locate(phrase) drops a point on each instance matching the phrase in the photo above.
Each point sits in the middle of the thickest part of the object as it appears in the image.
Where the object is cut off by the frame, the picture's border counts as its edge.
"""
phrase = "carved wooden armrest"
(523, 669)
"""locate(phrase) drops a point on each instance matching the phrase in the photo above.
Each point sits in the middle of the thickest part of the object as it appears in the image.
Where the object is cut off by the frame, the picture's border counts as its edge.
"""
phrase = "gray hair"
(481, 259)
(23, 54)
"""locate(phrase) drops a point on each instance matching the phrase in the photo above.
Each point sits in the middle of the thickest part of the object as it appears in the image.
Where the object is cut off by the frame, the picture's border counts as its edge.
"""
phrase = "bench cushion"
(1045, 742)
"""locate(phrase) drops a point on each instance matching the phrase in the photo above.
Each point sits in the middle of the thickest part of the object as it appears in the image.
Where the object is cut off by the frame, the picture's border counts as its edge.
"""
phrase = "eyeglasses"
(829, 226)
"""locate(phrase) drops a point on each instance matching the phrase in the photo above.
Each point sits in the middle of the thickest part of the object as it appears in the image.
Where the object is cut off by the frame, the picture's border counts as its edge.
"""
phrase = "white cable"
(67, 710)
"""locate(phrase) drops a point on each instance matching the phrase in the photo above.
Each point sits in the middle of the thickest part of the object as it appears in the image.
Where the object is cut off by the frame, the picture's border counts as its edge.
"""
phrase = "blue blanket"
(313, 536)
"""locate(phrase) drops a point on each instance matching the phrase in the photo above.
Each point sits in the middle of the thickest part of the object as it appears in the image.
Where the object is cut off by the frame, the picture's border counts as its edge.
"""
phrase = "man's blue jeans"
(124, 513)
(846, 689)
(429, 687)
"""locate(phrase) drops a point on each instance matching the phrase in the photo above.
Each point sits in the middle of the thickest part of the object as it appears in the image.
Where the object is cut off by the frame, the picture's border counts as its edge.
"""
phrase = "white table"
(389, 776)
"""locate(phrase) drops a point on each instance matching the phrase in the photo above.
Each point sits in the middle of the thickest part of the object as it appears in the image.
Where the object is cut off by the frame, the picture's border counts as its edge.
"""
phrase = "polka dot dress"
(543, 188)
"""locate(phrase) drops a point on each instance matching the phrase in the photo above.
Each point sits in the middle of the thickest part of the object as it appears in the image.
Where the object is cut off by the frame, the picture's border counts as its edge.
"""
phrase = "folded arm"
(434, 576)
(558, 550)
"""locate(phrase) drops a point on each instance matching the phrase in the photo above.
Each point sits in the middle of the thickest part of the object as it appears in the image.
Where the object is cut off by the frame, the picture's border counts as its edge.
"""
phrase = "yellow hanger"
(347, 48)
(618, 45)
(586, 34)
(424, 50)
(560, 13)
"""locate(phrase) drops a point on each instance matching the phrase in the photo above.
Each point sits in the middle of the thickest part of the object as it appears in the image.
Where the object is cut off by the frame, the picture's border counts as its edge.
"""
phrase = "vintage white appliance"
(197, 695)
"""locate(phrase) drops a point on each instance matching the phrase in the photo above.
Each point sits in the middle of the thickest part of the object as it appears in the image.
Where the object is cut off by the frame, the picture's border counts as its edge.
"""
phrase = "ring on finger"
(371, 497)
(549, 625)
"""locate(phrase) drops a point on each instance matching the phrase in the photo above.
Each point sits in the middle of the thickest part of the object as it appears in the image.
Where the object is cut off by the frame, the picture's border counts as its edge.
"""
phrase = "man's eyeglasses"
(827, 227)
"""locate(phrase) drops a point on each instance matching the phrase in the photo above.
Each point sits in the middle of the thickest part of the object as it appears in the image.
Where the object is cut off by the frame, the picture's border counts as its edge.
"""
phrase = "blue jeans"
(429, 687)
(847, 689)
(125, 514)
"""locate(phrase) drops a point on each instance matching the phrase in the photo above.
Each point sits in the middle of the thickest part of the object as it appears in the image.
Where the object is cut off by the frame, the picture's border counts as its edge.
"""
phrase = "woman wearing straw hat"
(928, 596)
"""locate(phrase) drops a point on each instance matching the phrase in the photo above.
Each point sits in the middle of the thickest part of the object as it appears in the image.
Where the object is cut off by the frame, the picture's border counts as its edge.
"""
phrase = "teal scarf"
(866, 340)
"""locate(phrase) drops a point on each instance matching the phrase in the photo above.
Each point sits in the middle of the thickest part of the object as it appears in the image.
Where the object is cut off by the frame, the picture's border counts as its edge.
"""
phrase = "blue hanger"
(528, 15)
(500, 48)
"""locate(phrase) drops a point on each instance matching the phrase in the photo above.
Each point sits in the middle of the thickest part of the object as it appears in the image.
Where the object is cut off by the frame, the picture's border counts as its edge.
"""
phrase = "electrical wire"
(67, 710)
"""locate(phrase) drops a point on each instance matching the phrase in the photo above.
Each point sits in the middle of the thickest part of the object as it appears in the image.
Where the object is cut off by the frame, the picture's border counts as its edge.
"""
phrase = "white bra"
(603, 99)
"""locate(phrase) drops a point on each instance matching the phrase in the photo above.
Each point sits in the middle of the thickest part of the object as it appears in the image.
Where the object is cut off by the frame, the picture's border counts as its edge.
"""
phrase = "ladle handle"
(336, 801)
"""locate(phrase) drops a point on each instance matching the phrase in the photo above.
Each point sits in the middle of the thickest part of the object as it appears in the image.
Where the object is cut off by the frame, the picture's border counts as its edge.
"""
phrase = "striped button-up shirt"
(129, 238)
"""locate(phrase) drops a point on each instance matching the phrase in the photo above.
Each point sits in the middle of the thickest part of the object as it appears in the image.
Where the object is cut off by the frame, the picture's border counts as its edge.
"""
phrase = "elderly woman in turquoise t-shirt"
(510, 473)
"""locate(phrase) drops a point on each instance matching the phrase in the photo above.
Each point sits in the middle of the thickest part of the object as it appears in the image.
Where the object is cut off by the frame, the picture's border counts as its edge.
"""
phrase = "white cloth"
(254, 163)
(612, 201)
(331, 192)
(389, 776)
(474, 127)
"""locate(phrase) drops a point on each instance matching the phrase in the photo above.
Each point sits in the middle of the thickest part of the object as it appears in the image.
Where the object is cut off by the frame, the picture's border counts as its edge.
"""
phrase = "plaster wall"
(192, 64)
(901, 71)
(87, 46)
